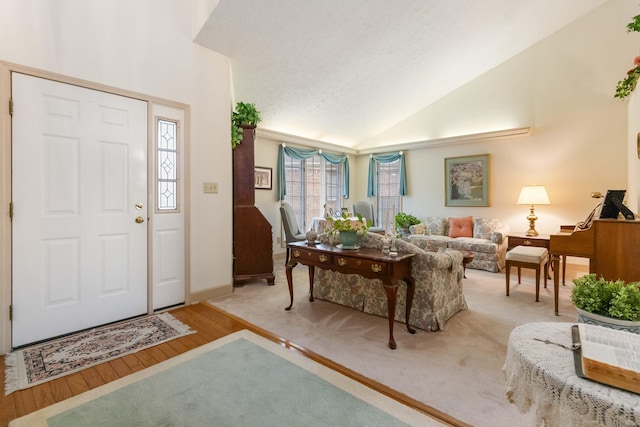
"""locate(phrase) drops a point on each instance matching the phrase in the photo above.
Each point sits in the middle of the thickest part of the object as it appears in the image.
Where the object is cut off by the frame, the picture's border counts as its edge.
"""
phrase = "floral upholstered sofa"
(486, 238)
(438, 293)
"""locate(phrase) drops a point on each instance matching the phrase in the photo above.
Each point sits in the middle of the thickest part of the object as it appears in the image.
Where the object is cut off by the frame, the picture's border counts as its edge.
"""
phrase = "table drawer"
(307, 255)
(526, 241)
(360, 265)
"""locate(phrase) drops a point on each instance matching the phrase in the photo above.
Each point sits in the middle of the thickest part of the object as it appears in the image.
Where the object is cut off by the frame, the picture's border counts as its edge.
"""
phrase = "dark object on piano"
(613, 205)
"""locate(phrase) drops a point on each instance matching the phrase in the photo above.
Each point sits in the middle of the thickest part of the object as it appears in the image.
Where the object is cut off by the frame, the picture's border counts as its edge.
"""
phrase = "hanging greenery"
(244, 114)
(628, 84)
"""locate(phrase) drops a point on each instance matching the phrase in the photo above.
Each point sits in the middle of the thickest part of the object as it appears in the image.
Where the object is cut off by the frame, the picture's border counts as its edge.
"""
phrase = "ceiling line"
(428, 143)
(452, 140)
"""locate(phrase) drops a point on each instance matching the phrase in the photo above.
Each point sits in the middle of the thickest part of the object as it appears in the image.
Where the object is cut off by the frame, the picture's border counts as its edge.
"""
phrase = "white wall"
(563, 87)
(266, 155)
(633, 189)
(145, 46)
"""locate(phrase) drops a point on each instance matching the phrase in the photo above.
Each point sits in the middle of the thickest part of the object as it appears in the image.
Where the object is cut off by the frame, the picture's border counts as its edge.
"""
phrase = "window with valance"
(387, 181)
(310, 178)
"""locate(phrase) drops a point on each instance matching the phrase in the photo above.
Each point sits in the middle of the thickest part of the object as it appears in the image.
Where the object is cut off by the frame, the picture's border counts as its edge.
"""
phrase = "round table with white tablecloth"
(540, 373)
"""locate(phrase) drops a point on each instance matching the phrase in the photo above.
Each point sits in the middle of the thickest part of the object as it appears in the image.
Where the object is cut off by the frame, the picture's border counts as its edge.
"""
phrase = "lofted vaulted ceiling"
(342, 71)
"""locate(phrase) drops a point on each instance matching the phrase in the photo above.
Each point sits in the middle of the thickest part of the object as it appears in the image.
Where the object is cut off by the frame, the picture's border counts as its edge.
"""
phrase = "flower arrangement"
(617, 300)
(628, 84)
(344, 223)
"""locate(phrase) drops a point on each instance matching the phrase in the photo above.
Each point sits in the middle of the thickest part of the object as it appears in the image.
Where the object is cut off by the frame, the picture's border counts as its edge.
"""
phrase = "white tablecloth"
(543, 376)
(318, 224)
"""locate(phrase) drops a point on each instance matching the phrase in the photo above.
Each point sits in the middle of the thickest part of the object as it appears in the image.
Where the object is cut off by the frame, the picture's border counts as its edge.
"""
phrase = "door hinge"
(10, 210)
(11, 312)
(11, 106)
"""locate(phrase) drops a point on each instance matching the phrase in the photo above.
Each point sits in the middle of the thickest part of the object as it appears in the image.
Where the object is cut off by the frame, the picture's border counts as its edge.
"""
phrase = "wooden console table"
(366, 262)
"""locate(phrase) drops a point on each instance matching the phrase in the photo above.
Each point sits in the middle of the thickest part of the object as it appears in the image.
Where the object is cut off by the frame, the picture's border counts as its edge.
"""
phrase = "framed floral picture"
(262, 178)
(466, 180)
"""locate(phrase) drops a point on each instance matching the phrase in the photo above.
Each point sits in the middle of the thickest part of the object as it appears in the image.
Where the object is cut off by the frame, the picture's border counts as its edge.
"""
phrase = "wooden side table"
(521, 239)
(539, 241)
(467, 257)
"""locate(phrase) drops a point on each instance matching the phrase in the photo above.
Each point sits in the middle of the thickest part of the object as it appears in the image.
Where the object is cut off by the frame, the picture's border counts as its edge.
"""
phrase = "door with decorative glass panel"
(79, 194)
(167, 227)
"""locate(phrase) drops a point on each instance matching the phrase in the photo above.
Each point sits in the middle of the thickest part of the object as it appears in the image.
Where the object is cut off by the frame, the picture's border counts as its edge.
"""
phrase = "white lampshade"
(533, 195)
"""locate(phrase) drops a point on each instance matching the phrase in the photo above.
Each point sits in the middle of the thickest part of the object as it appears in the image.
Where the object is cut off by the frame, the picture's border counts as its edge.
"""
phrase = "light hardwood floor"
(211, 324)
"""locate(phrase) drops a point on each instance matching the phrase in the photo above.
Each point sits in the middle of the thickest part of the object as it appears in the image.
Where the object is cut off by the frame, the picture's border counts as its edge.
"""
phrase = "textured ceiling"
(342, 71)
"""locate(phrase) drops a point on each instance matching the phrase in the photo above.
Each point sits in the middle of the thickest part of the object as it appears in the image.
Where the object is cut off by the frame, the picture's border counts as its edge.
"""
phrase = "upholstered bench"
(528, 257)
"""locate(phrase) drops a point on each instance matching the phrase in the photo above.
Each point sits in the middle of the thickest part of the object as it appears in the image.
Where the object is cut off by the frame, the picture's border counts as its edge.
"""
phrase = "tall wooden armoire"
(252, 238)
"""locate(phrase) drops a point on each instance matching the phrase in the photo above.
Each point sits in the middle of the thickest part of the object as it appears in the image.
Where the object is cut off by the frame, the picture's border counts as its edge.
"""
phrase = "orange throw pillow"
(461, 227)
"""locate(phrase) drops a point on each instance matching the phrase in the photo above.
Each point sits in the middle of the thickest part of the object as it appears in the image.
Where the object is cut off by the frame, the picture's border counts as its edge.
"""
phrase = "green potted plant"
(349, 229)
(615, 304)
(404, 221)
(244, 115)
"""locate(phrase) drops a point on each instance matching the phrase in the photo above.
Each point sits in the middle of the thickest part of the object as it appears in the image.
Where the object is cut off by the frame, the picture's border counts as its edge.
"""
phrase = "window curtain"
(302, 154)
(372, 184)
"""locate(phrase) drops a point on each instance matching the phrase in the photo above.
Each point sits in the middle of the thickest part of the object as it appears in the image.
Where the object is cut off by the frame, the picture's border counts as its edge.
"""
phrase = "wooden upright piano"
(612, 246)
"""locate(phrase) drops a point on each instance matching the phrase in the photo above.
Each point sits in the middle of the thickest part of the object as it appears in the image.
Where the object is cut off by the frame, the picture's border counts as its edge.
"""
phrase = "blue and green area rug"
(239, 380)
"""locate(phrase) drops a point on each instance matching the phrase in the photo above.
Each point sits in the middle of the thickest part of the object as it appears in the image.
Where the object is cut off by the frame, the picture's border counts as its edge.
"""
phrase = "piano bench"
(528, 257)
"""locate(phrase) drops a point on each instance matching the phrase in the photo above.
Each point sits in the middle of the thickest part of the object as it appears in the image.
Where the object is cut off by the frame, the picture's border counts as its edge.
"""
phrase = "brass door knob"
(139, 220)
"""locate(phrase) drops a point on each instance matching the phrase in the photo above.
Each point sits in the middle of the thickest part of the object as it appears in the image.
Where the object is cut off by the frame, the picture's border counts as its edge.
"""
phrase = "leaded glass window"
(167, 166)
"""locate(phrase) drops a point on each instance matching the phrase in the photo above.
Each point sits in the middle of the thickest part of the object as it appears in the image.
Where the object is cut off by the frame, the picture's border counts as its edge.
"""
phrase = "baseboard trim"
(210, 293)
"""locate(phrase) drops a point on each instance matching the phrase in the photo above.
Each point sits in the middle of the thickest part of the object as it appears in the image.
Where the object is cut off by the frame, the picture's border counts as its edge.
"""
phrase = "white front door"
(79, 194)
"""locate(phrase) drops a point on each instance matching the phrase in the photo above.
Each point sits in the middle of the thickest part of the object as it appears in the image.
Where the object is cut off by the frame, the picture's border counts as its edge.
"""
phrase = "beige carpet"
(457, 370)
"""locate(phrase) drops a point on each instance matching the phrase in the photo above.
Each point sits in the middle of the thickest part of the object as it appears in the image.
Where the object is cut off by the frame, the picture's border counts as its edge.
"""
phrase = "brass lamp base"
(532, 223)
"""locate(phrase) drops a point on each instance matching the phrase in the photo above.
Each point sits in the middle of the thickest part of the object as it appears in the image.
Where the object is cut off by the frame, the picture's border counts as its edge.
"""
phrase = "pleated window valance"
(372, 184)
(305, 153)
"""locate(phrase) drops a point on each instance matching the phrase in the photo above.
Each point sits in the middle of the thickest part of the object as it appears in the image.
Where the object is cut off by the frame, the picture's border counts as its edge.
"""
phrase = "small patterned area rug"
(53, 359)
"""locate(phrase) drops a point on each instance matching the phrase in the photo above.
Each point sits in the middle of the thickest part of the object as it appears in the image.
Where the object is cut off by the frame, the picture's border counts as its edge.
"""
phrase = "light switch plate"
(210, 187)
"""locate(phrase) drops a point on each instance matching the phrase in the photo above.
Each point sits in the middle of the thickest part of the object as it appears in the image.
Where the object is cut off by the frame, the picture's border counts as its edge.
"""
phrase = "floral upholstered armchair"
(438, 280)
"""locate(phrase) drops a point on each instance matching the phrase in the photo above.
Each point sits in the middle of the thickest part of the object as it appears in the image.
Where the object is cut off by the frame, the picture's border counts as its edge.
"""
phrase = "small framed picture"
(466, 180)
(262, 178)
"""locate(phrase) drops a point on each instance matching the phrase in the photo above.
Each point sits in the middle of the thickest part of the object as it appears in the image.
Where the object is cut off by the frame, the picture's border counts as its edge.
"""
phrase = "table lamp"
(533, 195)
